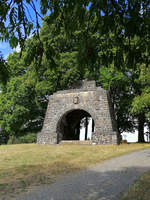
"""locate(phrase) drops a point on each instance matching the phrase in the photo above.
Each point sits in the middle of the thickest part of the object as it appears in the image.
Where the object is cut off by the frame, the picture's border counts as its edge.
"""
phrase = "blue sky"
(5, 48)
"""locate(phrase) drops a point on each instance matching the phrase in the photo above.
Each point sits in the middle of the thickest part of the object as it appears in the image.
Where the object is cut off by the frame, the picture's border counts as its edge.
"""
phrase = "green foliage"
(3, 137)
(29, 138)
(102, 32)
(130, 95)
(109, 77)
(4, 72)
(14, 20)
(141, 102)
(83, 21)
(13, 140)
(24, 99)
(119, 84)
(18, 110)
(78, 39)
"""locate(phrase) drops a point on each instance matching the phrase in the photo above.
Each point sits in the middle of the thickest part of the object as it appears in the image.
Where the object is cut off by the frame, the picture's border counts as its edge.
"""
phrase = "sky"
(5, 49)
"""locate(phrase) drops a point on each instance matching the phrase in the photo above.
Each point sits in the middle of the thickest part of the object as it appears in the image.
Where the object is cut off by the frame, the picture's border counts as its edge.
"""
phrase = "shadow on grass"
(104, 182)
(21, 179)
(88, 185)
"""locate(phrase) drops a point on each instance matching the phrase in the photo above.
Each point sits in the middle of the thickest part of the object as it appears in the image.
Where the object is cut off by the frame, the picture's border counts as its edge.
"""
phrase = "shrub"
(13, 140)
(3, 137)
(29, 138)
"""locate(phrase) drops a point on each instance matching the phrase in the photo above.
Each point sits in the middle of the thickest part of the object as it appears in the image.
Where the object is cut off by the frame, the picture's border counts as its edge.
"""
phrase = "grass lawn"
(26, 165)
(140, 190)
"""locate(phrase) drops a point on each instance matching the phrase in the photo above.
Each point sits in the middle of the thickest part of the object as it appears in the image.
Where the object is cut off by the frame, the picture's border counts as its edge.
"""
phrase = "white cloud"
(17, 49)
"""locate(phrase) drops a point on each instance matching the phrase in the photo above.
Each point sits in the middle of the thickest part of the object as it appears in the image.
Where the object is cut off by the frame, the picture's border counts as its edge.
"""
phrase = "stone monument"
(66, 108)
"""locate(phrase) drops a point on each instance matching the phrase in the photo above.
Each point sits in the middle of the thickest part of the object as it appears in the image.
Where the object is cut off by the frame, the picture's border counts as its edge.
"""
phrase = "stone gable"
(88, 99)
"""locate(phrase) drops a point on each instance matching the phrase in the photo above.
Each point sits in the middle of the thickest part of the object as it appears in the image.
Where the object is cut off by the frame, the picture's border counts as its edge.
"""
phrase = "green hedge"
(29, 138)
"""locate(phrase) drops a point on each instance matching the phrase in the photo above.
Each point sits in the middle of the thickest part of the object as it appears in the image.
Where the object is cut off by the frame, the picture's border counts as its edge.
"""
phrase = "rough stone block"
(91, 99)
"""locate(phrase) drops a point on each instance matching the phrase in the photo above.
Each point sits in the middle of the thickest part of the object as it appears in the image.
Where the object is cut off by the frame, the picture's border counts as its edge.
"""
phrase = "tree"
(24, 98)
(141, 102)
(18, 109)
(124, 19)
(130, 95)
(3, 70)
(84, 37)
(119, 84)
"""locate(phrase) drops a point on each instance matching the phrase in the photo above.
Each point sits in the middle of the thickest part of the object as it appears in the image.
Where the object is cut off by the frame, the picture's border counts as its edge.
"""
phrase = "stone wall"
(89, 98)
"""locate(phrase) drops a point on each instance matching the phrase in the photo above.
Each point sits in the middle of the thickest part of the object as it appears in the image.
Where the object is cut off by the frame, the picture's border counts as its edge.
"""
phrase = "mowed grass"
(26, 165)
(140, 190)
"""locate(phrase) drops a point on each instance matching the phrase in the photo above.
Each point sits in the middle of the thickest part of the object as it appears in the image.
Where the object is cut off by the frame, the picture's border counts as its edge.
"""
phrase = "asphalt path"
(106, 181)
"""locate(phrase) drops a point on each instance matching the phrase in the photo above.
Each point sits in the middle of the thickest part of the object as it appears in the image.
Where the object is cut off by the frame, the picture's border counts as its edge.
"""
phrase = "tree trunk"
(141, 121)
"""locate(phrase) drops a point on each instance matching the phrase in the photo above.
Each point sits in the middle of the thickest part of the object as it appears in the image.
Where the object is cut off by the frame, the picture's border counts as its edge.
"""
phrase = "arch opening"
(75, 125)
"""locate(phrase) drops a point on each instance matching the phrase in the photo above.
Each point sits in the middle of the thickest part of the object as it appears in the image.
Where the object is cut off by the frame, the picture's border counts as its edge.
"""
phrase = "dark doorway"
(74, 123)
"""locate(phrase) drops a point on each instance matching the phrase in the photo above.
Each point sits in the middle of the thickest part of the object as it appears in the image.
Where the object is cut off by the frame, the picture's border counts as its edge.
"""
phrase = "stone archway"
(85, 100)
(73, 123)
